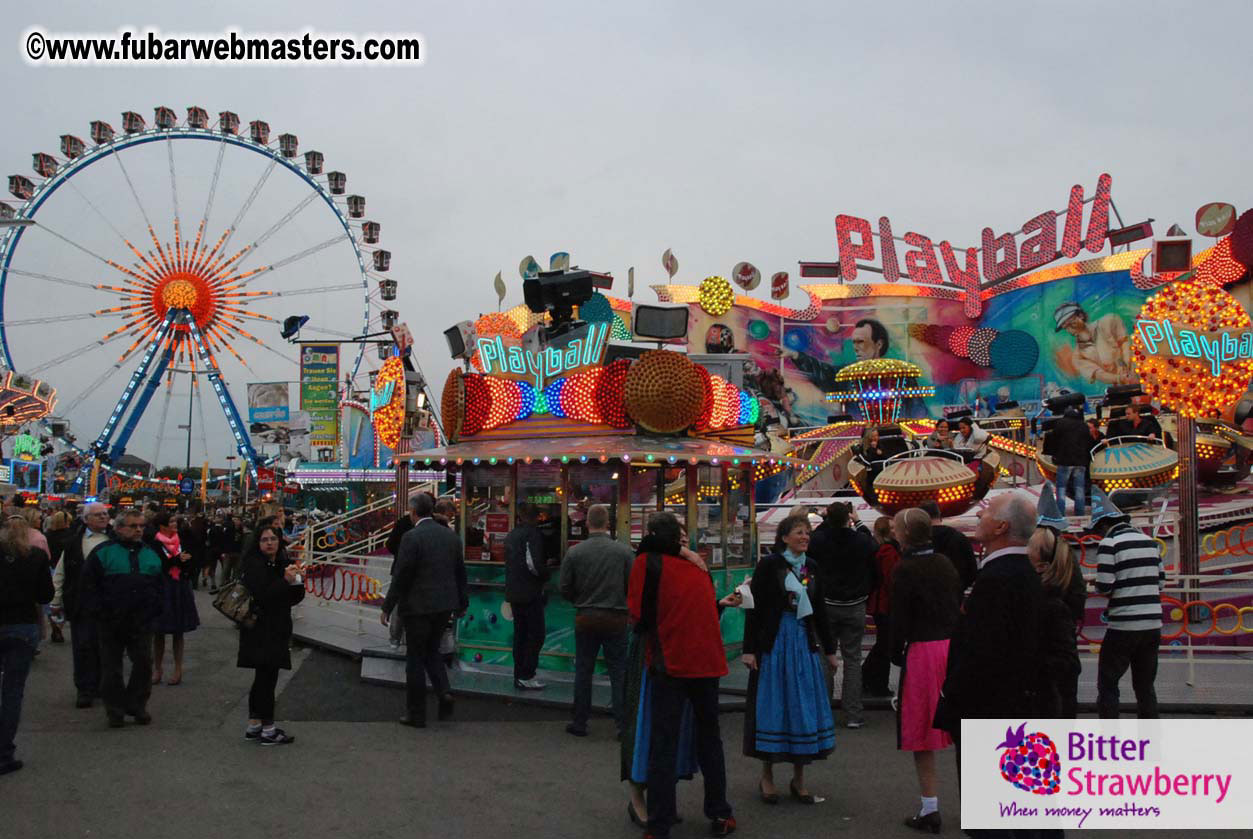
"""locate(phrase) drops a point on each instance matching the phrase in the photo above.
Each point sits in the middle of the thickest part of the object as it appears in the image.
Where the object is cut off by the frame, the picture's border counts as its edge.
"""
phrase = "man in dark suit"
(993, 660)
(429, 586)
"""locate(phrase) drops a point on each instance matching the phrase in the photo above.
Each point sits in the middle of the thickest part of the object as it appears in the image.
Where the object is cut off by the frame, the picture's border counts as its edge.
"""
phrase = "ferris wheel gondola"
(188, 299)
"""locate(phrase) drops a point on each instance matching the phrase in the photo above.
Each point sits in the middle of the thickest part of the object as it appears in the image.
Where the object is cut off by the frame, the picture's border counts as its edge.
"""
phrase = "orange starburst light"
(193, 276)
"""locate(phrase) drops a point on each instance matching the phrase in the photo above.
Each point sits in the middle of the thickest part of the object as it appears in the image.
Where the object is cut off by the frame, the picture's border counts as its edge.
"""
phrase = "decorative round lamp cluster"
(1188, 384)
(1011, 352)
(910, 482)
(716, 296)
(665, 392)
(388, 418)
(879, 386)
(662, 391)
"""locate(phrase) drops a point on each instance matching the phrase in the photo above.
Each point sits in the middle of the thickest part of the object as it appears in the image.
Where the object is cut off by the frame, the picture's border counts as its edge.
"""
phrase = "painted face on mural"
(1077, 326)
(865, 344)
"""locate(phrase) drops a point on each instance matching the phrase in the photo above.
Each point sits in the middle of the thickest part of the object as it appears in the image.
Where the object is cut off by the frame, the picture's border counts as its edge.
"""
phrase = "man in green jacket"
(120, 587)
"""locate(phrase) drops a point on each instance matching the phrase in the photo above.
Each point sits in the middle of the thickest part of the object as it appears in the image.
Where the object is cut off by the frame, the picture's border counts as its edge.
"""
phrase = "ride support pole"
(1189, 529)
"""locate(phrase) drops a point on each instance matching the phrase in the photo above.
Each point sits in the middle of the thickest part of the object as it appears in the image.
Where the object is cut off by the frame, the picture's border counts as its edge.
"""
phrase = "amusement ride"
(181, 245)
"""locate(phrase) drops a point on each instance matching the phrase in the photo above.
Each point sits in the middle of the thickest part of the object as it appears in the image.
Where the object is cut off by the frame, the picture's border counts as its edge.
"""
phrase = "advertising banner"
(319, 391)
(1173, 774)
(268, 402)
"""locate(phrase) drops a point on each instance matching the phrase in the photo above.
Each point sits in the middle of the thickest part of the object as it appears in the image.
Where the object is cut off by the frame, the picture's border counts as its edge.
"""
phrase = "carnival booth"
(564, 428)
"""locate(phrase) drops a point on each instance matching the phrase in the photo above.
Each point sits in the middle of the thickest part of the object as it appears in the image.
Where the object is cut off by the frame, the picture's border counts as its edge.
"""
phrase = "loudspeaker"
(660, 323)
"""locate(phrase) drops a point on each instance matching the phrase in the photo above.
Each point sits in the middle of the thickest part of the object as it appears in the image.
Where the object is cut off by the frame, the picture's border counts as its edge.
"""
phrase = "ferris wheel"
(167, 254)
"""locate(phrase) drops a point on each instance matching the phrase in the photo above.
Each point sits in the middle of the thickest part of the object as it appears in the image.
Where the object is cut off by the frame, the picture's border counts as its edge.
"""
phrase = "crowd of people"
(968, 634)
(124, 582)
(991, 637)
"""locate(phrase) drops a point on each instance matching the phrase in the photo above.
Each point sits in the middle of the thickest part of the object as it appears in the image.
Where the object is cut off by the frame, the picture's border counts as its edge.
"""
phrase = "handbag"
(234, 600)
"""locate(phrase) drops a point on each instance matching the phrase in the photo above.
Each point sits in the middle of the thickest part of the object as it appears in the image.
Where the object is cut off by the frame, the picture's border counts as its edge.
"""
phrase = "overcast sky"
(727, 131)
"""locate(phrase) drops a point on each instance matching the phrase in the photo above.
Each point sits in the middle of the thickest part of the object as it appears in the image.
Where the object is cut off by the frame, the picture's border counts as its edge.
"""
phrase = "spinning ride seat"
(1123, 464)
(913, 477)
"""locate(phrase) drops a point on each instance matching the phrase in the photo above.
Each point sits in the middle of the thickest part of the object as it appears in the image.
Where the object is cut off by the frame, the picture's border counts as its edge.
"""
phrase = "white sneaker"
(394, 644)
(531, 684)
(854, 724)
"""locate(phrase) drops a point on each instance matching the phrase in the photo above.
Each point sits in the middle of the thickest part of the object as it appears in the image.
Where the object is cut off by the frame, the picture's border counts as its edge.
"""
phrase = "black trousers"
(1121, 649)
(669, 694)
(261, 695)
(85, 646)
(422, 659)
(129, 696)
(877, 667)
(528, 638)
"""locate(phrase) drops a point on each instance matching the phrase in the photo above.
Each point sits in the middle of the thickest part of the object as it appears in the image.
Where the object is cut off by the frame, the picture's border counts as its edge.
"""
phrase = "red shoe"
(722, 827)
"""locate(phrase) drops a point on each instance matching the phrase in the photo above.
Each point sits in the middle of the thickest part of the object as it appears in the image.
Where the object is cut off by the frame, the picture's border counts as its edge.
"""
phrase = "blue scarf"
(792, 583)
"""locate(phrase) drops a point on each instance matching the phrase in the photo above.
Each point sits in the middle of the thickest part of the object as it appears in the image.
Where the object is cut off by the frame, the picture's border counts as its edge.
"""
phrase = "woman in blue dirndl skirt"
(788, 714)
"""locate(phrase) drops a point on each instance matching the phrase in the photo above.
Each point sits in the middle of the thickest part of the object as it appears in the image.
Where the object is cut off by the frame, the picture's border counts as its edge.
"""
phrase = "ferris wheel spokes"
(162, 350)
(154, 349)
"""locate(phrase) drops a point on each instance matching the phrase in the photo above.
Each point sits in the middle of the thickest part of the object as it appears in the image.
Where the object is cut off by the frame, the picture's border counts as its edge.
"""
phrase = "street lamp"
(230, 482)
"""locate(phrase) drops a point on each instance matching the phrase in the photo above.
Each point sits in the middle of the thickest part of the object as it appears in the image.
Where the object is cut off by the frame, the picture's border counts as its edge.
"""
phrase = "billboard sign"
(319, 391)
(268, 403)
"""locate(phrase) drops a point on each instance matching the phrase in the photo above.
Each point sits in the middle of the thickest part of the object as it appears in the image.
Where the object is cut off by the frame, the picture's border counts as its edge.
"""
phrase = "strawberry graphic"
(1030, 761)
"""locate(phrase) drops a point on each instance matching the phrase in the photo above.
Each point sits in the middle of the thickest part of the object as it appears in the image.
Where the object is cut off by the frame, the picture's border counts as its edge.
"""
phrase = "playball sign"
(1000, 257)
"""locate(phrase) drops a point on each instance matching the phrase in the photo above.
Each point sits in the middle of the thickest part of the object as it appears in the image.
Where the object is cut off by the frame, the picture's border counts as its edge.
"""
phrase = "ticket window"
(540, 485)
(487, 521)
(589, 484)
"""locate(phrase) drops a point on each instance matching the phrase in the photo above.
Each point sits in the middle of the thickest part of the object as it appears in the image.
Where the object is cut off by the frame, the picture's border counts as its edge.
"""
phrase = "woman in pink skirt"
(926, 600)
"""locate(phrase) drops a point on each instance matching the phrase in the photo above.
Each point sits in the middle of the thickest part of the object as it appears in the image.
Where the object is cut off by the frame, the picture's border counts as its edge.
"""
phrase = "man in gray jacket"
(594, 578)
(429, 585)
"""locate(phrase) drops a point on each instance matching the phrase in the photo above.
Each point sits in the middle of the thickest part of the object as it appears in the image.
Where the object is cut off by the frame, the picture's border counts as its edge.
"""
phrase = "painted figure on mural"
(719, 339)
(776, 398)
(1102, 349)
(869, 339)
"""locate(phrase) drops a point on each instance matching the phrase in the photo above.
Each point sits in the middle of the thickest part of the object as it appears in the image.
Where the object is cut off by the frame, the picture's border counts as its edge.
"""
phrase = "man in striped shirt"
(1129, 570)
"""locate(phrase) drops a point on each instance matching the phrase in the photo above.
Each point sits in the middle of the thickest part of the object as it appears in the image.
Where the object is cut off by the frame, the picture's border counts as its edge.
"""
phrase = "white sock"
(253, 729)
(269, 730)
(929, 805)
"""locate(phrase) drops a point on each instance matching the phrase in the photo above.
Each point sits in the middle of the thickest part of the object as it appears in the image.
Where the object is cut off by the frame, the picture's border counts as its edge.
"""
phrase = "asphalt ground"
(498, 769)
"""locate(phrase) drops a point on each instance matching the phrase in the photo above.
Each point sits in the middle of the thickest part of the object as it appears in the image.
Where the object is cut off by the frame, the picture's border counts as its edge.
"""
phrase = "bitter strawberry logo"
(1030, 761)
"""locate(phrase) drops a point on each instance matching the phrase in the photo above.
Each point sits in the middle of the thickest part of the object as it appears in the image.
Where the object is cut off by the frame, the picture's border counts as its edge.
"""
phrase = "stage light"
(1172, 254)
(558, 292)
(460, 338)
(1062, 401)
(292, 325)
(1131, 233)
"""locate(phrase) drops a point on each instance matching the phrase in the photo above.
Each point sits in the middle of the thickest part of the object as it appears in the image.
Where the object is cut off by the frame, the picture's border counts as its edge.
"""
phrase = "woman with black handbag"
(275, 584)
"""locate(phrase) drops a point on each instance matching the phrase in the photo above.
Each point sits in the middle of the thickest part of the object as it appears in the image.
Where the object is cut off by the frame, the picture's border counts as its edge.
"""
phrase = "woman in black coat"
(786, 634)
(275, 584)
